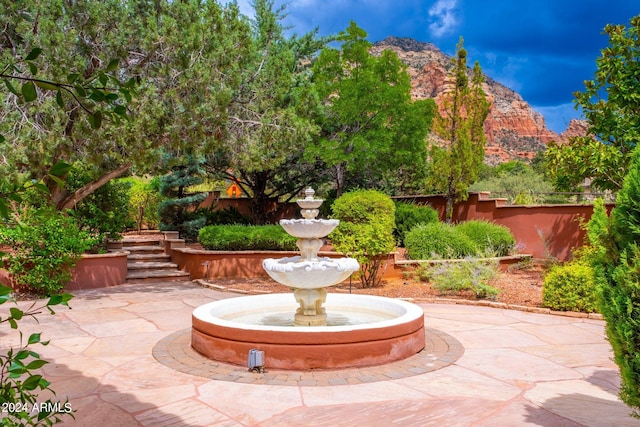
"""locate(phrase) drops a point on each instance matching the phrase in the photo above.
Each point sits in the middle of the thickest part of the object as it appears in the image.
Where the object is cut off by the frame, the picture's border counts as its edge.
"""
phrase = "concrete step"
(148, 257)
(141, 241)
(151, 266)
(157, 276)
(143, 249)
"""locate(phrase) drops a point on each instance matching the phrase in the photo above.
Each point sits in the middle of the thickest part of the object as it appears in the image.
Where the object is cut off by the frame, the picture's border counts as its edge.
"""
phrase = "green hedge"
(246, 238)
(492, 239)
(570, 287)
(438, 240)
(408, 215)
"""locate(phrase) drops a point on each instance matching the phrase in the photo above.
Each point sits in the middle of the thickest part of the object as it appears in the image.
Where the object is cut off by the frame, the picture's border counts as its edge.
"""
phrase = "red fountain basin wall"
(217, 335)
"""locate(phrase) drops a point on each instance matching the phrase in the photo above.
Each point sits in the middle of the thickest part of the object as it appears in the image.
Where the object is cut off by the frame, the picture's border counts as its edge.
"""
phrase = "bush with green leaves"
(570, 287)
(45, 246)
(144, 201)
(19, 385)
(490, 238)
(246, 238)
(450, 278)
(408, 215)
(438, 240)
(104, 211)
(367, 221)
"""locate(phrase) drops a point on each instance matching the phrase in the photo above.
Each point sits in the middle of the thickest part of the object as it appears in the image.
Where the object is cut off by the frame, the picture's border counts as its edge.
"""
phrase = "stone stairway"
(147, 261)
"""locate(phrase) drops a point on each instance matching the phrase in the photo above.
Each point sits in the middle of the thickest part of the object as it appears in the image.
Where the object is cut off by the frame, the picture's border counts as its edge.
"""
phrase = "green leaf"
(59, 299)
(127, 95)
(97, 95)
(16, 313)
(5, 290)
(46, 85)
(59, 99)
(36, 364)
(1, 139)
(11, 88)
(113, 64)
(34, 338)
(120, 109)
(80, 91)
(32, 382)
(33, 68)
(29, 91)
(60, 169)
(71, 78)
(95, 120)
(35, 52)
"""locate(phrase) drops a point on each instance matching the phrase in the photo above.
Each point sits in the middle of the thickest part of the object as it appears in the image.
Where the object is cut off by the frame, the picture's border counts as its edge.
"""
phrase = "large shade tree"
(457, 155)
(176, 53)
(610, 103)
(269, 116)
(369, 124)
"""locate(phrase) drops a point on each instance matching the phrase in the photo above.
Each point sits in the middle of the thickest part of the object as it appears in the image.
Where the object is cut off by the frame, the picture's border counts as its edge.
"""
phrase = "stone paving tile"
(155, 378)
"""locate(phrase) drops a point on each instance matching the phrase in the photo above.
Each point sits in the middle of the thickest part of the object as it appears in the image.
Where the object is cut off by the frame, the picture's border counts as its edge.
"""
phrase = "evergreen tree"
(616, 260)
(179, 211)
(457, 156)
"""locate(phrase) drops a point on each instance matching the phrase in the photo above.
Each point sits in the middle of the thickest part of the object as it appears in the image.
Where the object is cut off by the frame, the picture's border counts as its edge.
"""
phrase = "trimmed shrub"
(490, 238)
(570, 287)
(246, 238)
(437, 241)
(408, 215)
(367, 220)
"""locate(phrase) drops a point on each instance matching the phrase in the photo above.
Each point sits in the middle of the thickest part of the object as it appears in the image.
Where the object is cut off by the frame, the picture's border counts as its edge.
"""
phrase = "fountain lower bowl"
(363, 330)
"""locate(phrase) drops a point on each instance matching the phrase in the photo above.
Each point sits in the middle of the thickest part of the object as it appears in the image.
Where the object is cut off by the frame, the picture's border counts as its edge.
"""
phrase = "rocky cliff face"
(514, 130)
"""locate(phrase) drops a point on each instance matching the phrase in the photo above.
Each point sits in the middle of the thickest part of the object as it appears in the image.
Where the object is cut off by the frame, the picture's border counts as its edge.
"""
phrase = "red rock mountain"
(514, 130)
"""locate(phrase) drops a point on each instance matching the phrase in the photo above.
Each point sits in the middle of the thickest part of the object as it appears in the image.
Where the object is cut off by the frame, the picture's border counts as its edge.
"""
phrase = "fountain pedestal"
(310, 312)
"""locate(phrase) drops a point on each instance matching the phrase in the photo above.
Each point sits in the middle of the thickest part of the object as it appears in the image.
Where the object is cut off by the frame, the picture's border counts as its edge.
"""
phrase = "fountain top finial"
(309, 193)
(309, 205)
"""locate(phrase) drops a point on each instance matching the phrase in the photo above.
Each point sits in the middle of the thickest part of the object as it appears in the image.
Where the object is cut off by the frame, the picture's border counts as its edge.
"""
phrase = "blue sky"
(543, 49)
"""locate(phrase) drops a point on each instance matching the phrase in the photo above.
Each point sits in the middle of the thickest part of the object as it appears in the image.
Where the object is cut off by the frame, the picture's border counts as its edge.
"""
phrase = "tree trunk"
(63, 201)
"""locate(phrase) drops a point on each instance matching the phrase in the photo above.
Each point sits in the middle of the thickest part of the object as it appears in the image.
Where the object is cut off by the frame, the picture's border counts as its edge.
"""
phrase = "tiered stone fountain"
(308, 275)
(312, 329)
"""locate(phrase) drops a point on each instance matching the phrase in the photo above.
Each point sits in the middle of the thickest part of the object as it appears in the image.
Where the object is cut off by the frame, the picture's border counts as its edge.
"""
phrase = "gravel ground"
(519, 286)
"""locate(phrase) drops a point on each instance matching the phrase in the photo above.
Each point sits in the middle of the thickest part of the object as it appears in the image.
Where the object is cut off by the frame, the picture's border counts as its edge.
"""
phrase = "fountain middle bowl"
(309, 228)
(362, 330)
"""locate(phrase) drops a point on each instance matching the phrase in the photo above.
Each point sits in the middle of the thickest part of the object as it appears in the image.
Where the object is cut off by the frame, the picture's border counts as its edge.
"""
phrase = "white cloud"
(557, 117)
(443, 18)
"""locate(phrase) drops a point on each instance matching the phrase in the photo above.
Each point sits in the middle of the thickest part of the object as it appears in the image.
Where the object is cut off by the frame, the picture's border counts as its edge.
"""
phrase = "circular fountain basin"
(362, 330)
(309, 228)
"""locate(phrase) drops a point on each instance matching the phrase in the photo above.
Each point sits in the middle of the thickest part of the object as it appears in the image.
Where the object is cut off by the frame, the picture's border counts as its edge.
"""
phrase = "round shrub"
(570, 287)
(246, 238)
(367, 220)
(492, 239)
(408, 215)
(438, 240)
